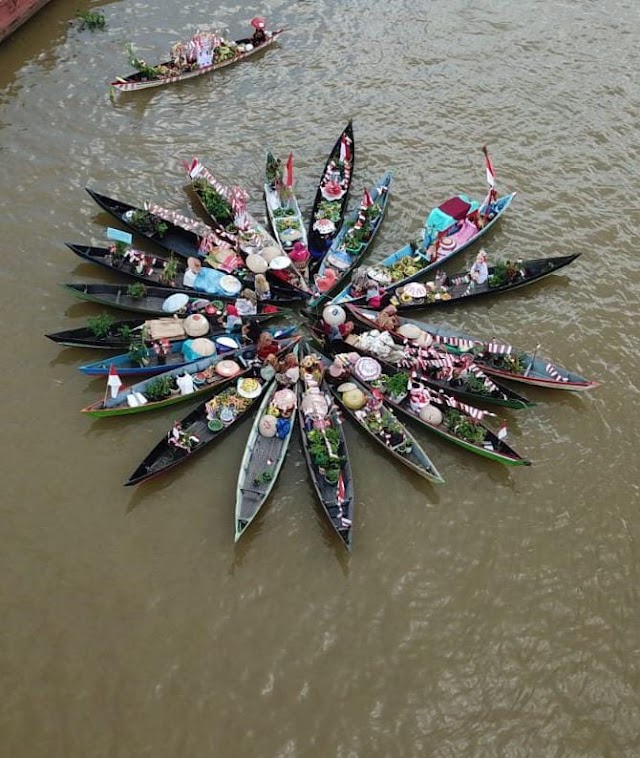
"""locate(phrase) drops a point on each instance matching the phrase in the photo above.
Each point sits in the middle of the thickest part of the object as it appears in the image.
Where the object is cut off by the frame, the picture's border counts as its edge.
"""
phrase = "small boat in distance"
(203, 53)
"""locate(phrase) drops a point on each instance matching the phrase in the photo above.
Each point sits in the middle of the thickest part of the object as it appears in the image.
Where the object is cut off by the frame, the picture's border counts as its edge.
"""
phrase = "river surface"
(494, 616)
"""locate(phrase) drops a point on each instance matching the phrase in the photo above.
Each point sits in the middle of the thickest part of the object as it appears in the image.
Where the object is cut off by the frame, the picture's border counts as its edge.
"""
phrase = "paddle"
(533, 358)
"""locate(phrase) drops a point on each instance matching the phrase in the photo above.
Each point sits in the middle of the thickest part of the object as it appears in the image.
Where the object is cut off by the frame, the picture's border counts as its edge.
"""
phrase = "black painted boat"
(325, 450)
(502, 277)
(153, 300)
(332, 195)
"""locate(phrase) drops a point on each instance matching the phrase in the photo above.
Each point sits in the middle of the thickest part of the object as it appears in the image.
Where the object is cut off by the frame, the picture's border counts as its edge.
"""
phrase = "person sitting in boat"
(251, 331)
(263, 290)
(232, 319)
(338, 332)
(259, 35)
(266, 346)
(387, 320)
(202, 278)
(247, 303)
(479, 271)
(288, 371)
(177, 437)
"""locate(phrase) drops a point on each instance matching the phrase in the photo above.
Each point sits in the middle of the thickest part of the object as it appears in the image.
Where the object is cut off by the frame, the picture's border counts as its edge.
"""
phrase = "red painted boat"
(13, 13)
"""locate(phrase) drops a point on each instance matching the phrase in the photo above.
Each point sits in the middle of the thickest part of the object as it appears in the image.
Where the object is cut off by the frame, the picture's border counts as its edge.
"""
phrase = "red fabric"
(288, 176)
(267, 350)
(455, 207)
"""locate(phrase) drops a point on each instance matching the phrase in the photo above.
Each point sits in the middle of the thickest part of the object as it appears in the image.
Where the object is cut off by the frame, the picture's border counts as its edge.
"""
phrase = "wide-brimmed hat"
(196, 325)
(175, 303)
(203, 346)
(367, 369)
(269, 253)
(227, 368)
(231, 284)
(256, 263)
(267, 425)
(447, 243)
(410, 331)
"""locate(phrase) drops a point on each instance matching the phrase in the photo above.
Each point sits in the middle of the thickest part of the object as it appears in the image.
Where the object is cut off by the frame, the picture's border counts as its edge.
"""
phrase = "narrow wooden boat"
(382, 425)
(448, 230)
(439, 412)
(325, 450)
(352, 241)
(178, 68)
(152, 301)
(159, 271)
(149, 362)
(185, 242)
(105, 332)
(413, 262)
(283, 210)
(162, 390)
(226, 206)
(262, 460)
(433, 366)
(497, 358)
(447, 290)
(332, 195)
(201, 428)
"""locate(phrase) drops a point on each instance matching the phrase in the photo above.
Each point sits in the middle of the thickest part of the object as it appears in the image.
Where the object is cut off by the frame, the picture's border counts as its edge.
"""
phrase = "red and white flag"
(345, 150)
(288, 173)
(194, 168)
(113, 380)
(340, 492)
(491, 174)
(502, 432)
(367, 202)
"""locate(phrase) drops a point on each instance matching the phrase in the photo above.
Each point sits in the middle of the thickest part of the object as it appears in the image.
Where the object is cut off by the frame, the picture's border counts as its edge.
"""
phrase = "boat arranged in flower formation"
(162, 301)
(283, 210)
(206, 425)
(367, 410)
(352, 241)
(107, 333)
(198, 378)
(265, 452)
(457, 375)
(503, 276)
(201, 54)
(449, 229)
(330, 202)
(495, 357)
(325, 446)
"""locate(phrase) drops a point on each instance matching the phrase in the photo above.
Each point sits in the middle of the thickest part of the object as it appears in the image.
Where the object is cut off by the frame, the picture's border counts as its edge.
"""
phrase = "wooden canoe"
(283, 210)
(503, 277)
(352, 241)
(261, 464)
(169, 74)
(152, 301)
(125, 365)
(460, 423)
(469, 383)
(332, 195)
(411, 262)
(118, 334)
(498, 358)
(133, 398)
(407, 449)
(170, 237)
(336, 496)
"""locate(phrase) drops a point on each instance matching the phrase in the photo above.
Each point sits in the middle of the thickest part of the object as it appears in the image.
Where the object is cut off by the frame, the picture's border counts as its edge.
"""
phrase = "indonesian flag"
(340, 492)
(491, 176)
(194, 168)
(502, 432)
(113, 380)
(345, 150)
(288, 174)
(367, 202)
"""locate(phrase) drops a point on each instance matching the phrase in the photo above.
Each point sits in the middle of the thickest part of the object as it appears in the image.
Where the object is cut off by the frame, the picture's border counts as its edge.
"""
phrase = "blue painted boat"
(415, 260)
(127, 365)
(353, 240)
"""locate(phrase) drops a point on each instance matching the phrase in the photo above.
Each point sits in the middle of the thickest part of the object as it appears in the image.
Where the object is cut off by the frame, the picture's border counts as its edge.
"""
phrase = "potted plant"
(159, 388)
(397, 386)
(118, 251)
(169, 273)
(136, 290)
(138, 352)
(100, 325)
(331, 475)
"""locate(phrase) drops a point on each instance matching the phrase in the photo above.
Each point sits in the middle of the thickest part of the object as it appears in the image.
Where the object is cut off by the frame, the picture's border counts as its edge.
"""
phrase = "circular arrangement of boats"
(212, 301)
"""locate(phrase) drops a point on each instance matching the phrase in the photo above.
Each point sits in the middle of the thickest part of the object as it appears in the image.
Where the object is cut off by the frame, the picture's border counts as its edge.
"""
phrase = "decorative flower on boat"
(332, 190)
(324, 226)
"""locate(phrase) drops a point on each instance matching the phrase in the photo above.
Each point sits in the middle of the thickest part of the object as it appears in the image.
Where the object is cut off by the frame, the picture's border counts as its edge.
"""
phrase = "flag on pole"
(113, 380)
(491, 175)
(288, 176)
(340, 492)
(367, 202)
(119, 236)
(194, 168)
(502, 432)
(345, 151)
